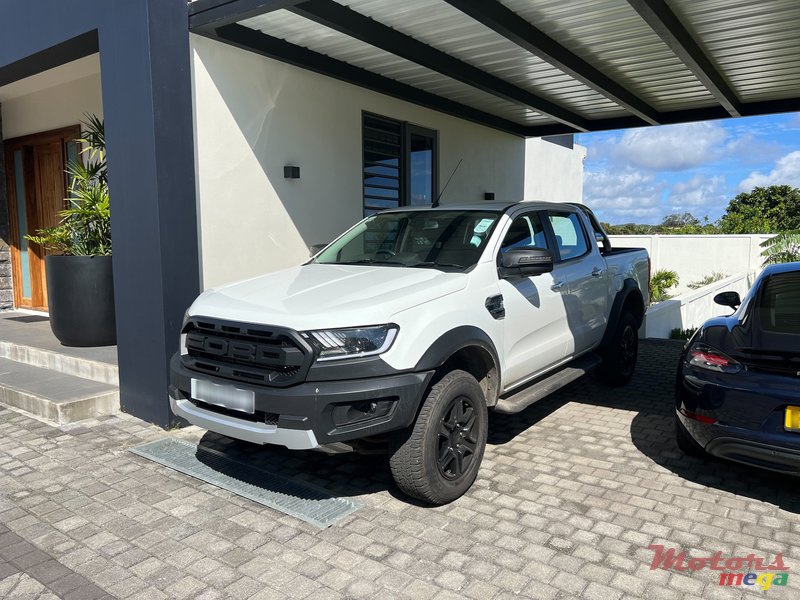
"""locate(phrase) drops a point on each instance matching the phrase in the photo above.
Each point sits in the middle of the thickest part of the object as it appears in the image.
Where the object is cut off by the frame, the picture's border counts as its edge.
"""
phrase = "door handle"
(596, 272)
(558, 285)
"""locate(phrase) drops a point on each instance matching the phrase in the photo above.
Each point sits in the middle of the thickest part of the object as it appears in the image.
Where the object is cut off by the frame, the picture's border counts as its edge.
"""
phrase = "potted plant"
(80, 284)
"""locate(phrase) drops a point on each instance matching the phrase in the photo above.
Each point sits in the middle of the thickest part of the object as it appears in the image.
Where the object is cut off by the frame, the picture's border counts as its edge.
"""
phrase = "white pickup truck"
(406, 330)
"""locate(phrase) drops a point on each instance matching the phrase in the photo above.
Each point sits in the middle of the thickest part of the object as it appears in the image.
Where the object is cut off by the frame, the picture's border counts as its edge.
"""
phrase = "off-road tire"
(619, 357)
(438, 436)
(686, 442)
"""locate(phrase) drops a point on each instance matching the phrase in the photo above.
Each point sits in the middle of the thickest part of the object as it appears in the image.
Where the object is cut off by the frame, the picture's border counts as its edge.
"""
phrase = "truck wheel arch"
(628, 299)
(470, 349)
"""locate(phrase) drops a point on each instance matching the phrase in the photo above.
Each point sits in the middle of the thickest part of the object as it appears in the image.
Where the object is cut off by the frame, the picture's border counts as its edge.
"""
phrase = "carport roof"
(539, 68)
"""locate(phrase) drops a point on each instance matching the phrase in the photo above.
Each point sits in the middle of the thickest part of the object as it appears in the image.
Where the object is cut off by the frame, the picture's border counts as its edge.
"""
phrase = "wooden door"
(37, 186)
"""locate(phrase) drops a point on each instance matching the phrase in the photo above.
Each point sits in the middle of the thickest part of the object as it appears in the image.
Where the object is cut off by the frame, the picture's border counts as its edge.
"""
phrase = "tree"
(784, 247)
(763, 210)
(675, 221)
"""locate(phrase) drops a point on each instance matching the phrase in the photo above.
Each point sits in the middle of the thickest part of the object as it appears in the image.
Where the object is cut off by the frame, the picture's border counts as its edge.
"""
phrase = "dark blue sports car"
(738, 388)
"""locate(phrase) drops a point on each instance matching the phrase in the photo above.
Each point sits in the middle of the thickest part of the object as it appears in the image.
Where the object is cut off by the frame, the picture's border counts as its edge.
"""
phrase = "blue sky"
(641, 175)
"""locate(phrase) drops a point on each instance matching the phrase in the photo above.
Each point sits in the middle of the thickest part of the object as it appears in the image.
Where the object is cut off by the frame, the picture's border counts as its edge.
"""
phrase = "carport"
(537, 68)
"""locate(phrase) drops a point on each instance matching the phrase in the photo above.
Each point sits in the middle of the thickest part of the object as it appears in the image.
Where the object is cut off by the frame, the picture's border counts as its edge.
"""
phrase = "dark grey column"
(6, 285)
(144, 57)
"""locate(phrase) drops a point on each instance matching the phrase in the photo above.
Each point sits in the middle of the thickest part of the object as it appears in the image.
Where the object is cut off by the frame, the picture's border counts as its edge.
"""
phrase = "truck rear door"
(583, 269)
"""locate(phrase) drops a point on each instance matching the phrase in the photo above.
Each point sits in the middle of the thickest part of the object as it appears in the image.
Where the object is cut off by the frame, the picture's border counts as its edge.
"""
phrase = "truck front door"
(535, 323)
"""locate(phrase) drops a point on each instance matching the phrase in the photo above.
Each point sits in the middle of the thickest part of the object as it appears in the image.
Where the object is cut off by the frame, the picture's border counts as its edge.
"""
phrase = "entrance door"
(37, 187)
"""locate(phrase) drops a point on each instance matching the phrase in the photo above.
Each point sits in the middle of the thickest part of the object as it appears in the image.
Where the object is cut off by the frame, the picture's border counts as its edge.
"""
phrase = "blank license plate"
(225, 396)
(792, 422)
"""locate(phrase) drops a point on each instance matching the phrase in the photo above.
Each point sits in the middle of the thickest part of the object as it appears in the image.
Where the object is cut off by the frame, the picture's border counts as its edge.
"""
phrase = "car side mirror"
(525, 262)
(731, 299)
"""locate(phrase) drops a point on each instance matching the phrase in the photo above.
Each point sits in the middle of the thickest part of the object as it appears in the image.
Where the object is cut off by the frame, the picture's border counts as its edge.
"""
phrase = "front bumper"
(306, 415)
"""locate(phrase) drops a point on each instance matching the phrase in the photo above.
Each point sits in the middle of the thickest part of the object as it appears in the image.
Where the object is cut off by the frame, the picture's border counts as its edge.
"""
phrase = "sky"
(641, 175)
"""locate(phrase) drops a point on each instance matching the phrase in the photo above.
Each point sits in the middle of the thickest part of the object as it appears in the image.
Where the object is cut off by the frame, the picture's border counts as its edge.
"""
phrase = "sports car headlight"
(332, 344)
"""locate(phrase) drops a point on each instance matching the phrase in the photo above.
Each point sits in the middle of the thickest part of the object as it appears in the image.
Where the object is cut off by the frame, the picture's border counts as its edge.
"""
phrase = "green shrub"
(707, 280)
(682, 334)
(661, 281)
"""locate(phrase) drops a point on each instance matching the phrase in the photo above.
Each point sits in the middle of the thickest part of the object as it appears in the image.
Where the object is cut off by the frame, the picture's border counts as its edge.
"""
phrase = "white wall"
(51, 108)
(693, 309)
(696, 256)
(254, 115)
(553, 173)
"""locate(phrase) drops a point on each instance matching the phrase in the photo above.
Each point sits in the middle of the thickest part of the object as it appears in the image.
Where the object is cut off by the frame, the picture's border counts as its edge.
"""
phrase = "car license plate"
(225, 396)
(792, 422)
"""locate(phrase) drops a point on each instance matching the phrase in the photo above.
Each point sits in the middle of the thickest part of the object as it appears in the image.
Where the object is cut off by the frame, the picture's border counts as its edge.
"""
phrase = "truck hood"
(317, 296)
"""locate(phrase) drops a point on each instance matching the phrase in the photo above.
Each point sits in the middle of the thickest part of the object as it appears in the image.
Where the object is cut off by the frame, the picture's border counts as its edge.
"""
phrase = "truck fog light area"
(332, 344)
(347, 414)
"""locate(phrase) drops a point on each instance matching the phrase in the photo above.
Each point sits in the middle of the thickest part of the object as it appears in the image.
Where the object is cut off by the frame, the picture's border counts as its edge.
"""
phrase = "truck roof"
(485, 206)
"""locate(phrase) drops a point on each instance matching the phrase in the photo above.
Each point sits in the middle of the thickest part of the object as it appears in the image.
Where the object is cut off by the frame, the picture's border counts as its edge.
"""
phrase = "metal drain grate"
(307, 503)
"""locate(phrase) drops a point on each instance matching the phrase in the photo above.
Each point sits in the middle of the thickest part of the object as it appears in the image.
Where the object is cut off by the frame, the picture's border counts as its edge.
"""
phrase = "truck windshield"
(446, 240)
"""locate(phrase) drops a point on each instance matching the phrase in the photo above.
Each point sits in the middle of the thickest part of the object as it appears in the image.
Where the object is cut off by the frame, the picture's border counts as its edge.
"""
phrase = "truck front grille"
(255, 354)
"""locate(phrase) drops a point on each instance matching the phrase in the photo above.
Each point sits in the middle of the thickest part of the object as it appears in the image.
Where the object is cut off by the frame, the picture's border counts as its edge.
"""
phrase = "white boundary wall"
(696, 256)
(691, 310)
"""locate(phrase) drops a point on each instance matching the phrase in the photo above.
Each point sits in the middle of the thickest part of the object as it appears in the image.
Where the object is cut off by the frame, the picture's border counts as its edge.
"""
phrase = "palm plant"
(782, 248)
(85, 226)
(661, 281)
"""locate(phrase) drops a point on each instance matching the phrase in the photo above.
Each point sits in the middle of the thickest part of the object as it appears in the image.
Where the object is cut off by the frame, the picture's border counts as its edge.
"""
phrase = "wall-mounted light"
(488, 195)
(291, 172)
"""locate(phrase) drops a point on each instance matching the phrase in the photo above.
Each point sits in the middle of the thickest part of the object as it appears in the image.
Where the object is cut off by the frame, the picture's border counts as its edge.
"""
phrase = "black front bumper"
(335, 411)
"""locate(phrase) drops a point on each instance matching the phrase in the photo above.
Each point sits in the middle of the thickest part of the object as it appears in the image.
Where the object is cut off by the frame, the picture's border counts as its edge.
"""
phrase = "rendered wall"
(553, 173)
(696, 256)
(53, 107)
(254, 115)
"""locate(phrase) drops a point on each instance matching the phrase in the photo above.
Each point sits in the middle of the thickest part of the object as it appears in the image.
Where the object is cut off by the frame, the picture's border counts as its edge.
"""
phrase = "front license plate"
(225, 396)
(792, 422)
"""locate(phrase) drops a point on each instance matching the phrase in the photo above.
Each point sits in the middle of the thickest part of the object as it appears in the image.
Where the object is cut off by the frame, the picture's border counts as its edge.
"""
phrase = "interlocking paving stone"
(570, 494)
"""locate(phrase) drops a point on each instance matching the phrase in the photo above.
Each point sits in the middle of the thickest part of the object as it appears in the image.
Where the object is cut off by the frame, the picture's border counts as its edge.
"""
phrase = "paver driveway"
(570, 495)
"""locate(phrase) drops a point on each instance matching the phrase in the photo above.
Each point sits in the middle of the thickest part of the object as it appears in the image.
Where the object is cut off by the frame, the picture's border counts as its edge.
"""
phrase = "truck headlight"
(355, 342)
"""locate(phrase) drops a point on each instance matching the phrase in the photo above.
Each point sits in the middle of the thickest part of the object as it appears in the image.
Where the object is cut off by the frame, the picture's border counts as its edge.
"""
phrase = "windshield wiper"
(369, 261)
(438, 264)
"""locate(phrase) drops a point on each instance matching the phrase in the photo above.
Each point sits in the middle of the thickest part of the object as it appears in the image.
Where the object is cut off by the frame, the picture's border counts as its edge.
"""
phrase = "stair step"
(538, 390)
(85, 368)
(55, 396)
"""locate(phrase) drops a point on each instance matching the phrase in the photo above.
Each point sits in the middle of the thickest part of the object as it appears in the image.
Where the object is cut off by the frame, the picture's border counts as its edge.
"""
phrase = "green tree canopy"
(763, 210)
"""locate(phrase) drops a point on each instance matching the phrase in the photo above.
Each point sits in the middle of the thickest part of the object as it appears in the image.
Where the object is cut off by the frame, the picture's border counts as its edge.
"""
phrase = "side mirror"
(728, 299)
(598, 237)
(524, 262)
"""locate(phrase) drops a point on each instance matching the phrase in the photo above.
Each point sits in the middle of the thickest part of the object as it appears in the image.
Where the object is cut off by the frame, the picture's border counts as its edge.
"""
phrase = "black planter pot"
(80, 298)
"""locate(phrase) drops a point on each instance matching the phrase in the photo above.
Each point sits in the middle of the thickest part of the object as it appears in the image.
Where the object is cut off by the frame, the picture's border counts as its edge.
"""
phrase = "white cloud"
(623, 196)
(699, 191)
(670, 148)
(785, 172)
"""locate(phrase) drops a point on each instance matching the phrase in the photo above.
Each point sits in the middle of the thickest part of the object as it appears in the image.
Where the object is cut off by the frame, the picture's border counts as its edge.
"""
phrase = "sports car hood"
(317, 296)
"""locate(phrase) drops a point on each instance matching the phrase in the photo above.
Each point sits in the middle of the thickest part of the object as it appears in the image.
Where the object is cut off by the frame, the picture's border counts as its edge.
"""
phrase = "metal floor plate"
(305, 502)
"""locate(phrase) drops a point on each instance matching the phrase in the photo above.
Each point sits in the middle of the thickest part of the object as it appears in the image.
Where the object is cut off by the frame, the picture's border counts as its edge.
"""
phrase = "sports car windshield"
(446, 240)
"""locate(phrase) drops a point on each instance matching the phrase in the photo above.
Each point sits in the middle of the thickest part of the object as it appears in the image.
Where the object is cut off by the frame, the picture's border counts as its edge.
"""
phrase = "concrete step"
(53, 360)
(53, 395)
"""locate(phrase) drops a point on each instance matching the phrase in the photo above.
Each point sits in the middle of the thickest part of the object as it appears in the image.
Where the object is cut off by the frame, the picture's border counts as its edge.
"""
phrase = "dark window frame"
(548, 225)
(406, 130)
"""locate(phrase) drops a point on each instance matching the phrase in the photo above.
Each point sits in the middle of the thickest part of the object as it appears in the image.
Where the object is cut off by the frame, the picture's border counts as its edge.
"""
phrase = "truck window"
(569, 234)
(452, 240)
(525, 232)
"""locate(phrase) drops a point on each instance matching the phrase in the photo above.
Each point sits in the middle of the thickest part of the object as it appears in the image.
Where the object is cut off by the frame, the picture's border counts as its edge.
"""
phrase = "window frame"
(552, 235)
(407, 129)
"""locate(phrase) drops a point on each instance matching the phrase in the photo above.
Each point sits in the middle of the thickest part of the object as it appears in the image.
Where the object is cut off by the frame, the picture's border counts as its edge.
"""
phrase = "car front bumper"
(306, 415)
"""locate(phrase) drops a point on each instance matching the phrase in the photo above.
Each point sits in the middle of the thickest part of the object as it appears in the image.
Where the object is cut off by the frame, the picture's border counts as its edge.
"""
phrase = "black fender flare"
(454, 340)
(629, 288)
